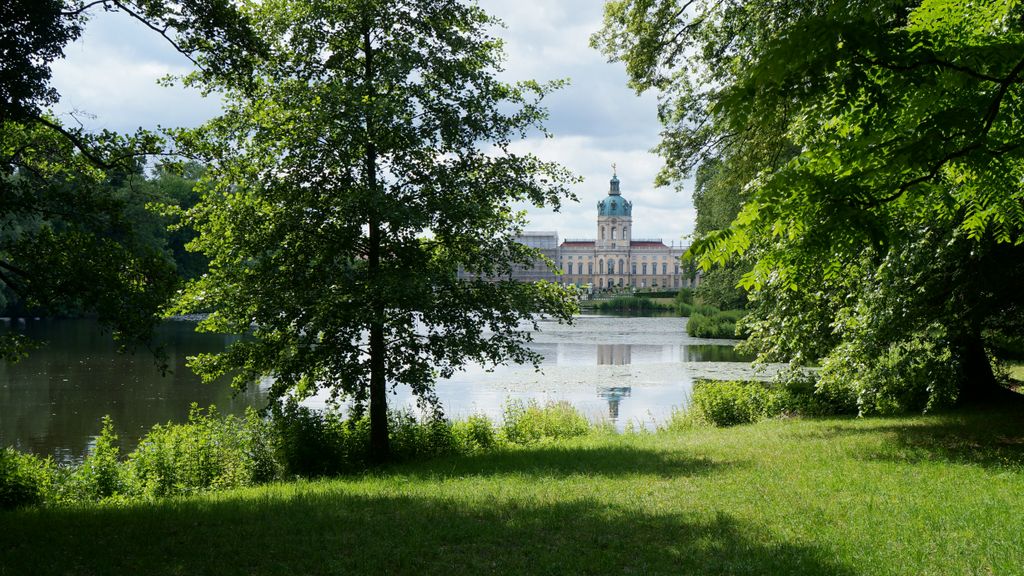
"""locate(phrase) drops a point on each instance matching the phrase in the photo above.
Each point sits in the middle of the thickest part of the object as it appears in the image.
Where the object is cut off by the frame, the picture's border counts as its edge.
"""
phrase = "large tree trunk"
(379, 446)
(977, 381)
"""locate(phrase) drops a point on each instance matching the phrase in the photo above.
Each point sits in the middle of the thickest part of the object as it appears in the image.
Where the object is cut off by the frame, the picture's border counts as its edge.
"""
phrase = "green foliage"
(68, 244)
(684, 309)
(25, 480)
(476, 434)
(530, 422)
(208, 452)
(101, 476)
(633, 304)
(731, 403)
(312, 443)
(717, 198)
(915, 374)
(876, 146)
(720, 286)
(684, 296)
(74, 239)
(211, 452)
(419, 438)
(709, 322)
(794, 393)
(338, 209)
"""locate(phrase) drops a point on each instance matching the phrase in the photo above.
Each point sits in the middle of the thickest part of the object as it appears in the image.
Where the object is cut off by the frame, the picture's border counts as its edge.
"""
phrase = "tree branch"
(160, 31)
(78, 143)
(977, 143)
(82, 8)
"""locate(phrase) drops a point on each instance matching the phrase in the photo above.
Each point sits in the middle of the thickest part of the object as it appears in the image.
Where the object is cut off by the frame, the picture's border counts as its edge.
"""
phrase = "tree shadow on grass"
(326, 530)
(989, 437)
(561, 461)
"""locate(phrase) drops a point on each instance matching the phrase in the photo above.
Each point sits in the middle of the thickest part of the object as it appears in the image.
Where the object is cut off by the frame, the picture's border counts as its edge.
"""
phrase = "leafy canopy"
(354, 171)
(69, 242)
(881, 146)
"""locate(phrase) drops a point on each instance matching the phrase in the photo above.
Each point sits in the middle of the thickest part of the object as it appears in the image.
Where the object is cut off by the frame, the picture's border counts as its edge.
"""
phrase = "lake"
(627, 370)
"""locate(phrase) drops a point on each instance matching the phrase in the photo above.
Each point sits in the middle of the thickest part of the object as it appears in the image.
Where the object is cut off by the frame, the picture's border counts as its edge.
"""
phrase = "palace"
(614, 259)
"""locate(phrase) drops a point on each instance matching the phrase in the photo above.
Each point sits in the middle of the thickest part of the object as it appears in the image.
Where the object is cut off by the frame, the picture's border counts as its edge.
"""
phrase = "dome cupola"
(614, 204)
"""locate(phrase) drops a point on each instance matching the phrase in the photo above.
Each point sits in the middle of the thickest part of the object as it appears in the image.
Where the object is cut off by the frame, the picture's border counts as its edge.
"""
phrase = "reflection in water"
(613, 394)
(613, 354)
(51, 403)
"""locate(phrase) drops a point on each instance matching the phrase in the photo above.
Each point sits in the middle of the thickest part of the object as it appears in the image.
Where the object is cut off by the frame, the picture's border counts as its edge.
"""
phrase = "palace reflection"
(614, 395)
(614, 354)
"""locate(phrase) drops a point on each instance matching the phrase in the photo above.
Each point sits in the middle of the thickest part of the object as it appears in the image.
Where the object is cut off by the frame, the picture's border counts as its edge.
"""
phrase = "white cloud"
(111, 72)
(111, 75)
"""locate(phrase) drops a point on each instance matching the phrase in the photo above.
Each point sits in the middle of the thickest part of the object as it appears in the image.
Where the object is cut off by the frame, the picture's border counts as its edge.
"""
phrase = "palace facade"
(613, 259)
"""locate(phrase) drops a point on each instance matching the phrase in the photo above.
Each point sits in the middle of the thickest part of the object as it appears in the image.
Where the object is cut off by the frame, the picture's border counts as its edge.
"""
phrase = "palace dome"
(614, 204)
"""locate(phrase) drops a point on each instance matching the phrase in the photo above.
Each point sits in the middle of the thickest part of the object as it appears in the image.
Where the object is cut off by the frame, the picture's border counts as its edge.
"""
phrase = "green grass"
(922, 495)
(633, 304)
(1017, 372)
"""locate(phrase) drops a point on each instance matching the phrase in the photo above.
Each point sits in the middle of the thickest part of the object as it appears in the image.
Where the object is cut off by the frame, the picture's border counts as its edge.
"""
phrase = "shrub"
(208, 452)
(529, 422)
(100, 476)
(25, 480)
(708, 322)
(684, 296)
(682, 420)
(476, 434)
(915, 374)
(731, 403)
(314, 443)
(808, 395)
(684, 309)
(413, 438)
(633, 304)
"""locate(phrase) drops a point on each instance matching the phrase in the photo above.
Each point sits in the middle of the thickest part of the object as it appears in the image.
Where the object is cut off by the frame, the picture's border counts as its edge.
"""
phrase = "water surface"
(622, 369)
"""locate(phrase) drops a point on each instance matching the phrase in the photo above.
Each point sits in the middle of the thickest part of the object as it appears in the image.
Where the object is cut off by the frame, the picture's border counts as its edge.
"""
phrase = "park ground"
(936, 494)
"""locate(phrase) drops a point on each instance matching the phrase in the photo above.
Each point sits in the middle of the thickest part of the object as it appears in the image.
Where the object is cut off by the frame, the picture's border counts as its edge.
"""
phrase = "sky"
(108, 80)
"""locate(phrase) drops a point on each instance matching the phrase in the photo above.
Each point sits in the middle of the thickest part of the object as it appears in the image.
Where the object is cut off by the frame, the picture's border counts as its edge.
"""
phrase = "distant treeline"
(140, 205)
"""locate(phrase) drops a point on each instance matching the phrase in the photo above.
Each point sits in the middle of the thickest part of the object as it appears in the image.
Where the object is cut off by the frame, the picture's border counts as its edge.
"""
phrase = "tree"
(65, 242)
(717, 199)
(889, 245)
(354, 171)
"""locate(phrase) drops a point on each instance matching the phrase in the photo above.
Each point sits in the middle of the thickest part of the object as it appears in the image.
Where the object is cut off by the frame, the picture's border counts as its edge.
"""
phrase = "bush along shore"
(213, 452)
(633, 304)
(542, 492)
(706, 321)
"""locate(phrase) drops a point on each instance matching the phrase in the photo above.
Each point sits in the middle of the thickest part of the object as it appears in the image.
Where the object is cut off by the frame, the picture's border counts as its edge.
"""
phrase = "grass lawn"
(926, 495)
(1017, 372)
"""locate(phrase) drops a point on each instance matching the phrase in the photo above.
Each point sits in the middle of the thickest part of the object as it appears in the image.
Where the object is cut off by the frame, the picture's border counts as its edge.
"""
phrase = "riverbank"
(921, 495)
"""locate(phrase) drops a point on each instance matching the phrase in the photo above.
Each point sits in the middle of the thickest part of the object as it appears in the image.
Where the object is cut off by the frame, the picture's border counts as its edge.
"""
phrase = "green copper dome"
(614, 204)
